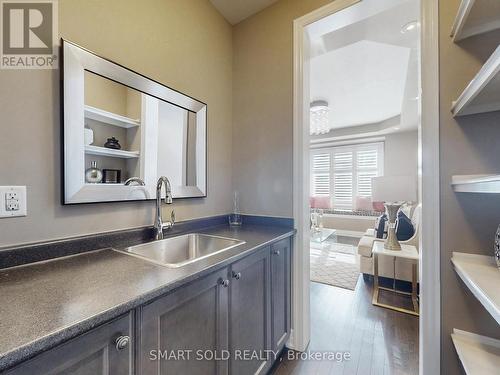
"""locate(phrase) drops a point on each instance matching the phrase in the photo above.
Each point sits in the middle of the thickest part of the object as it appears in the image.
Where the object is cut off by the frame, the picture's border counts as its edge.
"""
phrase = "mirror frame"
(77, 60)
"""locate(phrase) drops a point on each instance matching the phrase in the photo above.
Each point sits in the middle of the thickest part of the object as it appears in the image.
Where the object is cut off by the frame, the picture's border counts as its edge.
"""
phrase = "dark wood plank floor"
(380, 341)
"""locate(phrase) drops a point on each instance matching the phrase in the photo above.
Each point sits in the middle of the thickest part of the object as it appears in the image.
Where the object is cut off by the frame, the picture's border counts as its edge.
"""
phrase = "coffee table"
(322, 234)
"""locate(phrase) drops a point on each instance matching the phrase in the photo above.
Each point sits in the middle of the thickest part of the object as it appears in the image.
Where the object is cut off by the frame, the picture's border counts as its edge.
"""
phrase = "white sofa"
(403, 267)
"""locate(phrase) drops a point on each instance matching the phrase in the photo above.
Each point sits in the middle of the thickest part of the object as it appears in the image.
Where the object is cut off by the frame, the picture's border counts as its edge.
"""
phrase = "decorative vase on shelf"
(88, 136)
(93, 175)
(497, 247)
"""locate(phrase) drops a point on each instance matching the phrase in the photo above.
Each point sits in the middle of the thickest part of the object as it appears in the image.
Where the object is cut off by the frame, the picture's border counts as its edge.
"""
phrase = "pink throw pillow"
(320, 202)
(378, 206)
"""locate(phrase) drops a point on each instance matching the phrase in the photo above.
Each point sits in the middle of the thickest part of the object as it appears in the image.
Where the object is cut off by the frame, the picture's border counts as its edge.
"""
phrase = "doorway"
(427, 174)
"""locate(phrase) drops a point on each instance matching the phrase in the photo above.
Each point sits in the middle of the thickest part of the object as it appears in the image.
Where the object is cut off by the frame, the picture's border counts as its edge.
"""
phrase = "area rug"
(334, 264)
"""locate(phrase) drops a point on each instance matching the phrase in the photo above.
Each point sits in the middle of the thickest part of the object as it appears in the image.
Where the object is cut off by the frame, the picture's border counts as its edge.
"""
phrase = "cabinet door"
(280, 293)
(106, 350)
(250, 314)
(190, 321)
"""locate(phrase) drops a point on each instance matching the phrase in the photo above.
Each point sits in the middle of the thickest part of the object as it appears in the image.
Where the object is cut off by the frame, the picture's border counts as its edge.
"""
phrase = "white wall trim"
(329, 143)
(430, 328)
(430, 278)
(300, 283)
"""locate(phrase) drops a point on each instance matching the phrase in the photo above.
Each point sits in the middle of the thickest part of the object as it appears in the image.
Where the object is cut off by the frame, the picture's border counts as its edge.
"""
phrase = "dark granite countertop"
(46, 303)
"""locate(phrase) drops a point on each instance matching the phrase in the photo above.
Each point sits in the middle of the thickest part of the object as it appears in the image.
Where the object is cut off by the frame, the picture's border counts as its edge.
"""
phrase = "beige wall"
(469, 145)
(401, 154)
(184, 44)
(262, 110)
(106, 94)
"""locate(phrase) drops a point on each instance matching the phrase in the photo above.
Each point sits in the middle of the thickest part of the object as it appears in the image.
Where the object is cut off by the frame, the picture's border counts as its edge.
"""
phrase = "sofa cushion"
(363, 204)
(381, 227)
(365, 246)
(404, 227)
(320, 202)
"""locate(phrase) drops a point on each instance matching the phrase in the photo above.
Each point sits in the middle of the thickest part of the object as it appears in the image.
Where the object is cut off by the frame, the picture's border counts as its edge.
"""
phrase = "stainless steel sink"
(178, 251)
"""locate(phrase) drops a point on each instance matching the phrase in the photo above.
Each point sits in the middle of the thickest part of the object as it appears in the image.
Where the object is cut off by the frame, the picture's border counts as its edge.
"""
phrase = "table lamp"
(393, 191)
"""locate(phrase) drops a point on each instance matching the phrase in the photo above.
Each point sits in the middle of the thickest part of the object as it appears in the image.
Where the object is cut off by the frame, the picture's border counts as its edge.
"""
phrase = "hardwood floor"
(380, 341)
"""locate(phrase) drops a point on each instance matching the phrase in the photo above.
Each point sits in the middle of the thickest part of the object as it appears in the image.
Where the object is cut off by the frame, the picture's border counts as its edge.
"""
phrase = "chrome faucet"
(159, 224)
(134, 180)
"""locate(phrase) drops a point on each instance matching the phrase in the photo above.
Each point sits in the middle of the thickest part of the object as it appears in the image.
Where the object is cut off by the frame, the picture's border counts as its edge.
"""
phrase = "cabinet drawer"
(106, 350)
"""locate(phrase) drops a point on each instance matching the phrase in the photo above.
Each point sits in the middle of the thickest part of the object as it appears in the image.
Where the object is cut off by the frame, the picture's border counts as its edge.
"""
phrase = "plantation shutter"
(367, 168)
(342, 179)
(345, 172)
(321, 174)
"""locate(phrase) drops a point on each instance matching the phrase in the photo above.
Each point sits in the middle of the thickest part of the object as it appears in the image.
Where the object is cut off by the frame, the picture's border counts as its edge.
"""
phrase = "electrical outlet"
(11, 195)
(13, 201)
(12, 204)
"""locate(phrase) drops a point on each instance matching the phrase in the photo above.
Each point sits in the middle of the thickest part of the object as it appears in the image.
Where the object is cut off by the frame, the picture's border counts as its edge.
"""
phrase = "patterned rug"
(334, 264)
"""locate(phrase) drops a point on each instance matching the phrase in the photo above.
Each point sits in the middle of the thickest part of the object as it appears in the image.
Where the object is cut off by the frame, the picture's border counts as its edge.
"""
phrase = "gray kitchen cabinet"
(106, 350)
(250, 313)
(187, 325)
(225, 323)
(280, 293)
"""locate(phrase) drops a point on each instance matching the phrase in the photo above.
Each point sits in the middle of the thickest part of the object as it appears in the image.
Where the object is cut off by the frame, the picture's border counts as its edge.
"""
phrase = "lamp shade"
(394, 189)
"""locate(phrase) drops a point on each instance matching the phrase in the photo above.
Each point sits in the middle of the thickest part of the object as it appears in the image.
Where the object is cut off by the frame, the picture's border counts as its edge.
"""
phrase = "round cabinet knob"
(276, 252)
(224, 283)
(237, 275)
(122, 342)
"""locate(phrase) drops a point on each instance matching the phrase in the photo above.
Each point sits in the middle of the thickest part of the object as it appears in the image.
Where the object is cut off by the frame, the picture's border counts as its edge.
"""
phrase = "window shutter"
(342, 179)
(321, 174)
(345, 172)
(367, 168)
(365, 183)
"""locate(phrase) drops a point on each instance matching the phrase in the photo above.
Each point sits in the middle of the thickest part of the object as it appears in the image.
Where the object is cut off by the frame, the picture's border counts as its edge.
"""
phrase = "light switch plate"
(13, 201)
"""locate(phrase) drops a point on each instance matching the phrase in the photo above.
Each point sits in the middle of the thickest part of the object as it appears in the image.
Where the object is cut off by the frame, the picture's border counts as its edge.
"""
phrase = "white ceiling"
(235, 11)
(366, 68)
(363, 82)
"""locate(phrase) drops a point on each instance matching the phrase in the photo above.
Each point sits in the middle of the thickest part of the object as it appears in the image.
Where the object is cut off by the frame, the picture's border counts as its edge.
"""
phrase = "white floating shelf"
(481, 183)
(483, 92)
(482, 276)
(103, 151)
(480, 355)
(476, 17)
(110, 118)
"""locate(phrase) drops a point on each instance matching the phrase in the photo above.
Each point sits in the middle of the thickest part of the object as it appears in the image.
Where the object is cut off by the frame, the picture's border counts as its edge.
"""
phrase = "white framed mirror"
(122, 131)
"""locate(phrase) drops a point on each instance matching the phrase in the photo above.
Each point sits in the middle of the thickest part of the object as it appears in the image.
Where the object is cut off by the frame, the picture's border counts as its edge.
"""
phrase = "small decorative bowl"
(113, 143)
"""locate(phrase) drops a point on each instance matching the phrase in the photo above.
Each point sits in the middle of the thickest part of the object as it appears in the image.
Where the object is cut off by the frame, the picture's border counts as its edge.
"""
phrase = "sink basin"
(181, 250)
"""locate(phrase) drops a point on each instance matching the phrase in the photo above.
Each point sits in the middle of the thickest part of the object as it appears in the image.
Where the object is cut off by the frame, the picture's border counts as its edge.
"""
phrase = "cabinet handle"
(237, 275)
(122, 342)
(224, 283)
(276, 252)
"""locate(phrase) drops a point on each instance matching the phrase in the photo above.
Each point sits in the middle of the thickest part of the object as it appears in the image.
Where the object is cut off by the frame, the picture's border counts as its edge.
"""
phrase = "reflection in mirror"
(176, 144)
(118, 118)
(112, 129)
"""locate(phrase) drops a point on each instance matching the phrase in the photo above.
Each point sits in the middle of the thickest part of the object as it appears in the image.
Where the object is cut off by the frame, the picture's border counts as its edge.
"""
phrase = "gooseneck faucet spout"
(159, 225)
